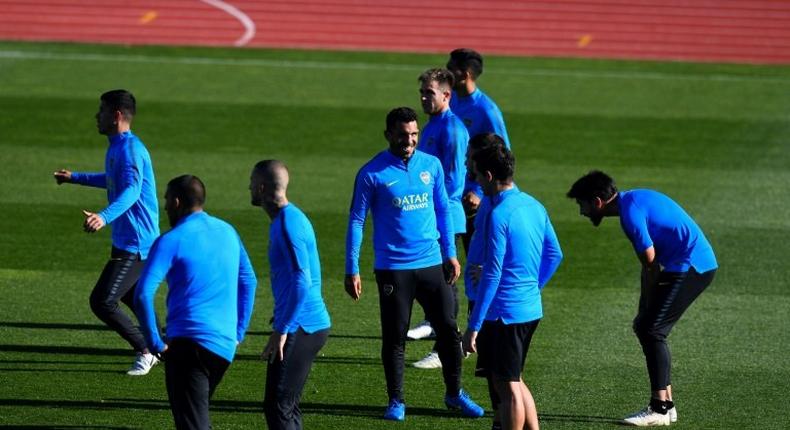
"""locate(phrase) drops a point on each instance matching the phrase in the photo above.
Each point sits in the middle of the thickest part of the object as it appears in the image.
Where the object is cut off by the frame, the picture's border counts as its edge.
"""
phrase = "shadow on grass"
(50, 326)
(70, 350)
(256, 407)
(88, 404)
(61, 370)
(61, 427)
(366, 361)
(577, 418)
(86, 362)
(331, 335)
(222, 406)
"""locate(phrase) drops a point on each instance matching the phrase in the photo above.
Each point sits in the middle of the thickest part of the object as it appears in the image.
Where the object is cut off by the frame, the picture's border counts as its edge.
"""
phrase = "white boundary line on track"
(249, 25)
(254, 62)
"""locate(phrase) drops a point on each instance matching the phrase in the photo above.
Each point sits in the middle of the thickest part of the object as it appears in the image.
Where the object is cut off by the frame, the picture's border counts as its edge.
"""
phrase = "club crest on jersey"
(425, 177)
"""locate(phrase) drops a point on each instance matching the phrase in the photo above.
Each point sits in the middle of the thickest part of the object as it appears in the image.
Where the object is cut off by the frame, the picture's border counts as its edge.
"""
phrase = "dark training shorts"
(502, 349)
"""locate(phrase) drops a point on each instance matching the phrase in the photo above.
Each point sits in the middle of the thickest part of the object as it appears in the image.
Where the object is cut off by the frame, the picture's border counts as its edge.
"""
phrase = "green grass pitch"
(714, 137)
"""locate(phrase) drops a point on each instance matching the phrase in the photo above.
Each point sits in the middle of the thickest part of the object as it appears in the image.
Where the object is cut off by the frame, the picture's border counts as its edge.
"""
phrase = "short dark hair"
(496, 159)
(270, 171)
(440, 76)
(467, 59)
(594, 184)
(188, 189)
(400, 115)
(484, 140)
(120, 100)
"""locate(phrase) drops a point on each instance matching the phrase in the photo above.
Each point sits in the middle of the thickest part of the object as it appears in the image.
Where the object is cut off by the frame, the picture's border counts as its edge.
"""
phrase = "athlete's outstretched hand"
(62, 176)
(93, 222)
(353, 284)
(452, 270)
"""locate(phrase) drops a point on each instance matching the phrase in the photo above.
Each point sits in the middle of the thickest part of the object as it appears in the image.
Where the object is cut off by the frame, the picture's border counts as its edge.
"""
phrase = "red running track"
(750, 31)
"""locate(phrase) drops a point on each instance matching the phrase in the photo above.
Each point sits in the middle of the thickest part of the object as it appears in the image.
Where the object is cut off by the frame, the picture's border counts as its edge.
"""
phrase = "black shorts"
(502, 349)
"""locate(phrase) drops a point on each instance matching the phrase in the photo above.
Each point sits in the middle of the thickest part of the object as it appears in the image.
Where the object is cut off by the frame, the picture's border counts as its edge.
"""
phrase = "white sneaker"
(142, 364)
(421, 331)
(647, 417)
(673, 415)
(430, 361)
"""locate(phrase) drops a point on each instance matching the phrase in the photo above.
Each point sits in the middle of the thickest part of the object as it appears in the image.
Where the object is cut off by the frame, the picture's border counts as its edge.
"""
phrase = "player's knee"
(648, 332)
(280, 407)
(101, 305)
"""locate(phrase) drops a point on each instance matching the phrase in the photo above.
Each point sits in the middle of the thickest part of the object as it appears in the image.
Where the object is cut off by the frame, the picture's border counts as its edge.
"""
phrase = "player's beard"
(596, 219)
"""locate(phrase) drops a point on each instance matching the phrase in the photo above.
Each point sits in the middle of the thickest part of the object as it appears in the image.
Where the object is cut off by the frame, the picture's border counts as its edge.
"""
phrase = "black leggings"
(117, 283)
(192, 373)
(660, 307)
(397, 291)
(285, 379)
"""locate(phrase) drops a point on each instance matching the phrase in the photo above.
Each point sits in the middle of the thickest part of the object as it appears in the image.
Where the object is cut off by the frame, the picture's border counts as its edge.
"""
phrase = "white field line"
(253, 62)
(249, 25)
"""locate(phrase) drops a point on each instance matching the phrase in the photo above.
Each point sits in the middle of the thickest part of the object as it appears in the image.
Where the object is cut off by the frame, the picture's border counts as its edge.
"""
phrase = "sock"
(670, 404)
(659, 406)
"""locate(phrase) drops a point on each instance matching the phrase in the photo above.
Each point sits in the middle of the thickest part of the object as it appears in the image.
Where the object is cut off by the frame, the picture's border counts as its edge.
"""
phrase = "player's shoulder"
(454, 120)
(425, 160)
(134, 147)
(486, 103)
(376, 164)
(295, 224)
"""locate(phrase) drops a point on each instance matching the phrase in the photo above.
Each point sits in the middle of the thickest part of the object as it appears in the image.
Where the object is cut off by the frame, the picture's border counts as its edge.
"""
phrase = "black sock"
(659, 406)
(670, 404)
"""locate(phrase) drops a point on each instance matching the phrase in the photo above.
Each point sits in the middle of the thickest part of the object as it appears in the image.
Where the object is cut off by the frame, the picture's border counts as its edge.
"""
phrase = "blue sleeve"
(550, 257)
(471, 185)
(130, 184)
(295, 247)
(246, 294)
(360, 203)
(453, 158)
(496, 123)
(634, 223)
(154, 272)
(496, 245)
(98, 180)
(444, 219)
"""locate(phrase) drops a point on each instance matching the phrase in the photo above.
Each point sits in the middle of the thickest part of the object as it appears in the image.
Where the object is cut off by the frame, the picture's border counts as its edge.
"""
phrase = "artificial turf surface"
(714, 137)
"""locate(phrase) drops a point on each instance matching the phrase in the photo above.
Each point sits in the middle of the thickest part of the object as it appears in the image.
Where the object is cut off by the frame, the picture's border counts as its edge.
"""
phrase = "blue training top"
(211, 285)
(476, 255)
(296, 273)
(650, 218)
(128, 176)
(521, 255)
(446, 138)
(412, 225)
(480, 115)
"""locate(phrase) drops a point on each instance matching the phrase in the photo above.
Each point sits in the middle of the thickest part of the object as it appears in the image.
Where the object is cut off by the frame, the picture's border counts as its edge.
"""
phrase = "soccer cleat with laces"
(465, 404)
(430, 361)
(647, 417)
(142, 364)
(396, 411)
(423, 330)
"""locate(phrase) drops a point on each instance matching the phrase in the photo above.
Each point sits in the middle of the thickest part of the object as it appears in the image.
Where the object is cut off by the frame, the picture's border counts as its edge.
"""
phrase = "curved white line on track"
(249, 26)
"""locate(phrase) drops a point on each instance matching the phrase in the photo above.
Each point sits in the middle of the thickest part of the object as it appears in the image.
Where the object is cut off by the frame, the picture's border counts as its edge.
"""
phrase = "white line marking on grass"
(303, 64)
(249, 25)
